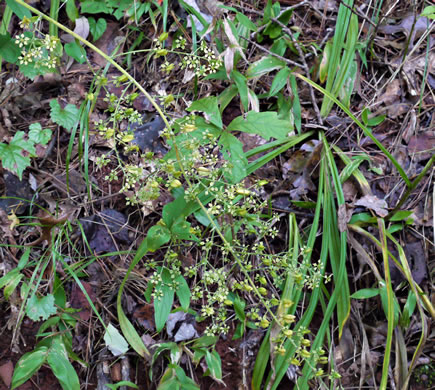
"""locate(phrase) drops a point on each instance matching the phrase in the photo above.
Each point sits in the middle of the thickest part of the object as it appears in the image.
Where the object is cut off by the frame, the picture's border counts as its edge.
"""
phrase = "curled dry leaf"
(372, 202)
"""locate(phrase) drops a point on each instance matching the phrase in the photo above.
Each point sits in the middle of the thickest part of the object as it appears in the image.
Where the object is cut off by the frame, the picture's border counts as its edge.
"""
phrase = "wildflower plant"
(40, 52)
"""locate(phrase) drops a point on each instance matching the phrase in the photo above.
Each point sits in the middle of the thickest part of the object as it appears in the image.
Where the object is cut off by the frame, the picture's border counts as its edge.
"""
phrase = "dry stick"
(304, 66)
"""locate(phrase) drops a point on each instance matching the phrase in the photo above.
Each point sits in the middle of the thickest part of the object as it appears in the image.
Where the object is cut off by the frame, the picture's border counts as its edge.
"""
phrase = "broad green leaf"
(52, 321)
(242, 86)
(233, 152)
(76, 51)
(263, 66)
(59, 292)
(12, 285)
(365, 293)
(31, 71)
(97, 28)
(66, 117)
(279, 81)
(122, 383)
(58, 361)
(131, 334)
(239, 332)
(95, 7)
(265, 124)
(29, 363)
(9, 277)
(174, 210)
(181, 230)
(245, 21)
(401, 215)
(205, 341)
(323, 68)
(114, 341)
(208, 106)
(9, 50)
(164, 298)
(183, 292)
(214, 365)
(429, 12)
(24, 259)
(40, 308)
(186, 382)
(375, 121)
(39, 135)
(71, 10)
(239, 308)
(18, 9)
(157, 236)
(11, 155)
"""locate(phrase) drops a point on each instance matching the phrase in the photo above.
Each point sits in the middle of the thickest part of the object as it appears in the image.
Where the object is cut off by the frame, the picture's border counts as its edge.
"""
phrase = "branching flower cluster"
(202, 62)
(42, 51)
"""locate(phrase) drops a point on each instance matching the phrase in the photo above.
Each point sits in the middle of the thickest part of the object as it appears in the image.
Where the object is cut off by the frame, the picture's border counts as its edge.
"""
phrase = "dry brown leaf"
(372, 202)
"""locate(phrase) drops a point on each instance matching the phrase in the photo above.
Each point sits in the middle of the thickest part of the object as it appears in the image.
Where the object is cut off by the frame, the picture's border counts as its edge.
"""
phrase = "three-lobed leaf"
(12, 156)
(65, 117)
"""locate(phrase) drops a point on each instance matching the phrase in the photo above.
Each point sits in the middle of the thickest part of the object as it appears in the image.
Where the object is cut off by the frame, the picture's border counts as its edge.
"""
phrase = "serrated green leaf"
(63, 370)
(9, 50)
(76, 51)
(12, 156)
(31, 71)
(97, 28)
(40, 308)
(39, 135)
(114, 341)
(29, 363)
(265, 124)
(65, 117)
(263, 66)
(209, 106)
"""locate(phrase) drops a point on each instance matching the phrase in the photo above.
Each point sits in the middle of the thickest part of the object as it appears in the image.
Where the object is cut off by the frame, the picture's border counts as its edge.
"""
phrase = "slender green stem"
(411, 187)
(54, 13)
